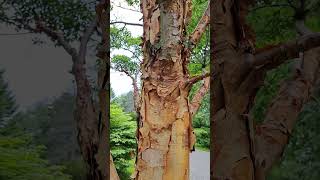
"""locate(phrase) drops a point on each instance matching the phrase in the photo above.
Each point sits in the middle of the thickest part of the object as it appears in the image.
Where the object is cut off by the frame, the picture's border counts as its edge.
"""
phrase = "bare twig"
(126, 23)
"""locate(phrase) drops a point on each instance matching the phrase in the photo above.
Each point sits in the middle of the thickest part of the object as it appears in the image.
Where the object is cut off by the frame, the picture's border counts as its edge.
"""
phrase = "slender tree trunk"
(165, 134)
(136, 95)
(93, 125)
(242, 151)
(87, 123)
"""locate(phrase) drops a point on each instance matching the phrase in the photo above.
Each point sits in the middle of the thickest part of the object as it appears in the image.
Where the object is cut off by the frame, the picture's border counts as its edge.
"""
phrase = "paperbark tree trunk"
(241, 150)
(165, 131)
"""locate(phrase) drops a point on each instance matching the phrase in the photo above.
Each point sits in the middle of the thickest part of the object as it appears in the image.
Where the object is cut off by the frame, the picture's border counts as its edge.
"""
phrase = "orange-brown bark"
(165, 130)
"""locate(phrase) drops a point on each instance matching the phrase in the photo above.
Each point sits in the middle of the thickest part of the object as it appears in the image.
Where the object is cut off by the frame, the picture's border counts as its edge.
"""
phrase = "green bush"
(19, 159)
(122, 140)
(203, 137)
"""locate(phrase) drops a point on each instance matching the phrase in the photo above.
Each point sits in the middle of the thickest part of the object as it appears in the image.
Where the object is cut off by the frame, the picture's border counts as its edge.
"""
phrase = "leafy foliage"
(200, 57)
(124, 64)
(302, 156)
(128, 64)
(68, 16)
(122, 139)
(273, 21)
(20, 158)
(53, 126)
(201, 120)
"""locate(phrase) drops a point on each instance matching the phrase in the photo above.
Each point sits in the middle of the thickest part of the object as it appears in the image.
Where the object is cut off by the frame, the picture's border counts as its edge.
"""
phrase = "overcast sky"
(40, 72)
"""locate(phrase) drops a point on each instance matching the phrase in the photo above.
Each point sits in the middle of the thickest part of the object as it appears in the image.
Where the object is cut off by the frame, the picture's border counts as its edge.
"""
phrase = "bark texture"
(241, 150)
(231, 98)
(165, 133)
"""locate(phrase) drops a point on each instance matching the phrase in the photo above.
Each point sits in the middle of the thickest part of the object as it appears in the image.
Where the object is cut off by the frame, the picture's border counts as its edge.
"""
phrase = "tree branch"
(134, 10)
(195, 79)
(286, 51)
(198, 97)
(273, 134)
(85, 39)
(56, 36)
(201, 27)
(126, 23)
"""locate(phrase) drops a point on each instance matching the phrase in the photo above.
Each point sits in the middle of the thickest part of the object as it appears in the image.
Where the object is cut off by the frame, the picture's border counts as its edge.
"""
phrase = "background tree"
(125, 101)
(67, 23)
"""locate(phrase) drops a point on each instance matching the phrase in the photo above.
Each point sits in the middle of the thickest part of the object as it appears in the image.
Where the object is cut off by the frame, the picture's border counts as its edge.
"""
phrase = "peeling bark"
(165, 129)
(231, 151)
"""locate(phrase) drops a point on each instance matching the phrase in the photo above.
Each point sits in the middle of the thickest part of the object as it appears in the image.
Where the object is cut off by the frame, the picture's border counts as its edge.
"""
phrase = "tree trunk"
(93, 132)
(241, 152)
(136, 95)
(165, 133)
(87, 124)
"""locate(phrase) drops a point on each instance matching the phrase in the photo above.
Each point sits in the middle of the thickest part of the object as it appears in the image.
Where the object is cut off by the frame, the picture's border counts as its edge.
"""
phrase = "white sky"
(120, 83)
